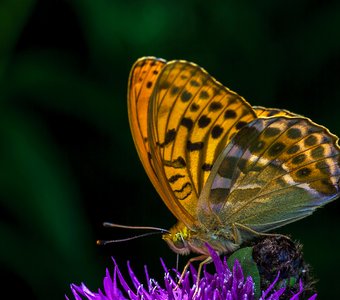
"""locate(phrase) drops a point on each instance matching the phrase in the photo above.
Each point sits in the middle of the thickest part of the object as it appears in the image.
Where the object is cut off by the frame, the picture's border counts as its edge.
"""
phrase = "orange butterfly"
(226, 170)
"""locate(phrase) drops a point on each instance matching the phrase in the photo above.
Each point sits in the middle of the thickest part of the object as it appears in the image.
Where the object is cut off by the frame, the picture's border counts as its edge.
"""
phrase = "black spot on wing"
(271, 132)
(294, 149)
(206, 167)
(203, 121)
(186, 96)
(294, 133)
(187, 122)
(174, 178)
(257, 146)
(314, 129)
(240, 124)
(184, 191)
(169, 137)
(204, 95)
(303, 173)
(299, 159)
(323, 167)
(174, 90)
(215, 106)
(243, 165)
(230, 114)
(216, 131)
(194, 146)
(318, 152)
(177, 163)
(311, 140)
(194, 83)
(227, 167)
(276, 149)
(245, 135)
(194, 107)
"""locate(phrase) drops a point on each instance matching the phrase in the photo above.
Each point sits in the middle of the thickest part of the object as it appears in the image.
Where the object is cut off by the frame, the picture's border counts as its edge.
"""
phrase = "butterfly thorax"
(183, 240)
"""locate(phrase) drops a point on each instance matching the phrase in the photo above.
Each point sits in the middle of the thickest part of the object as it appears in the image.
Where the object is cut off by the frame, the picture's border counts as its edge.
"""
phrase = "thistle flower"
(225, 283)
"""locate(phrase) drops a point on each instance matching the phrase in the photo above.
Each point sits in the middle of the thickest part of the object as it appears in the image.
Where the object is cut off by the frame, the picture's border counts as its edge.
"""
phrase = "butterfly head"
(178, 239)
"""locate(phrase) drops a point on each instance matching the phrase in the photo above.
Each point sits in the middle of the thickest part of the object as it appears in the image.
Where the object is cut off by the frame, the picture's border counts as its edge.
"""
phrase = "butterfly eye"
(177, 242)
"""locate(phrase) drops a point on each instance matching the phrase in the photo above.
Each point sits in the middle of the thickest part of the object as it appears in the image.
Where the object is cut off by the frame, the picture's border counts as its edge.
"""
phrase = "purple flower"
(224, 284)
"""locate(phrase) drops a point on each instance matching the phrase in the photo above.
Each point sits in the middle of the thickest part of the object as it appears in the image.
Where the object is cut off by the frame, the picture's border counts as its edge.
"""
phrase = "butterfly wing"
(142, 79)
(263, 112)
(275, 171)
(189, 118)
(142, 82)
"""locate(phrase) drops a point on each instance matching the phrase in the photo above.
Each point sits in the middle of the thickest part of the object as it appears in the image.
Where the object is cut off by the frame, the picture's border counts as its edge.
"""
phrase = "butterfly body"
(225, 169)
(183, 240)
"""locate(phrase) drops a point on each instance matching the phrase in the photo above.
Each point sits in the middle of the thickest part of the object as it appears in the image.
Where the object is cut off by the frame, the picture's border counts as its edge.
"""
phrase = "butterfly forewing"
(275, 171)
(193, 117)
(141, 84)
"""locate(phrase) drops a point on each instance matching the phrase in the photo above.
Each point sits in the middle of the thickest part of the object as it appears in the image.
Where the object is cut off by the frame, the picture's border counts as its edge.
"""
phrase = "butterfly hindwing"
(275, 171)
(263, 112)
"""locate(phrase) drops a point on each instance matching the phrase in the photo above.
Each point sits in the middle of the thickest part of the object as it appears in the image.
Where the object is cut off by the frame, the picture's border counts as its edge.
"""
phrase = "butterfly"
(225, 169)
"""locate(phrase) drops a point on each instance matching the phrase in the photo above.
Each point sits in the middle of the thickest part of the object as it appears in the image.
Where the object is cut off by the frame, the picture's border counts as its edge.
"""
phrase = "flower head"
(225, 283)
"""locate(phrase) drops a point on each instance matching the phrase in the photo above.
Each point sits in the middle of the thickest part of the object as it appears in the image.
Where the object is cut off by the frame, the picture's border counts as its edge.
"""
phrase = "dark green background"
(68, 162)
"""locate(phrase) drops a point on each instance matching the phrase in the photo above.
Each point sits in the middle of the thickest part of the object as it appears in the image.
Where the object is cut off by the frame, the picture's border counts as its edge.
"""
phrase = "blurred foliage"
(68, 160)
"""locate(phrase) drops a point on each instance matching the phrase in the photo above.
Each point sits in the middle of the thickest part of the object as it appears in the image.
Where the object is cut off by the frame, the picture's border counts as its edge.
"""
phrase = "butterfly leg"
(254, 232)
(191, 260)
(199, 271)
(236, 235)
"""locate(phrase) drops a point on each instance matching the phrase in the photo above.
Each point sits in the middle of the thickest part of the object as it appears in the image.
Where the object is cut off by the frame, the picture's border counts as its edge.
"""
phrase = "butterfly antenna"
(156, 230)
(112, 225)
